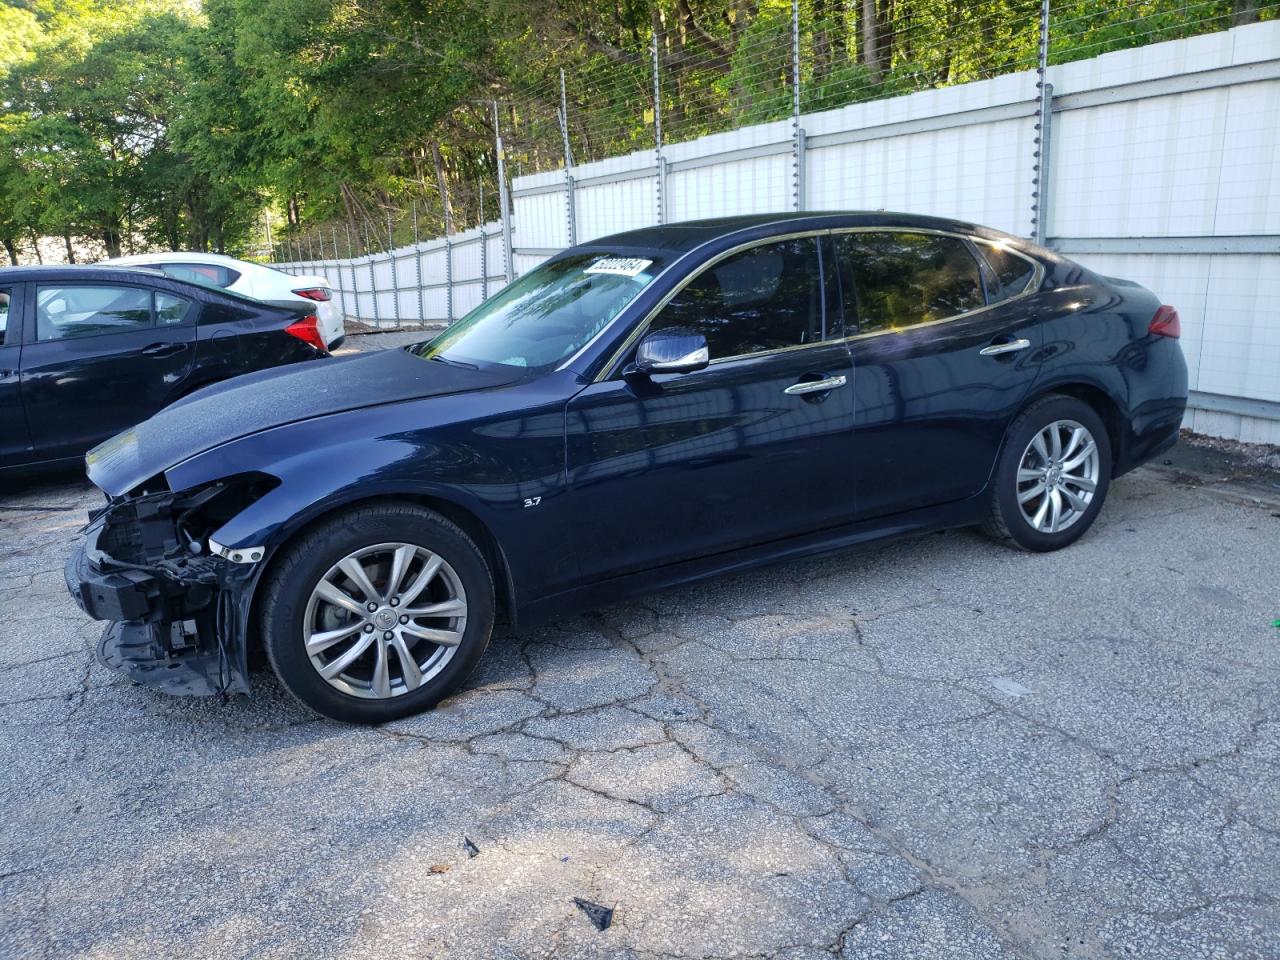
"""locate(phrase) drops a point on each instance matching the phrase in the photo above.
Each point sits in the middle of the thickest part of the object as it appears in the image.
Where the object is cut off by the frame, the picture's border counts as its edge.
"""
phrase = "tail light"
(315, 293)
(308, 331)
(1165, 323)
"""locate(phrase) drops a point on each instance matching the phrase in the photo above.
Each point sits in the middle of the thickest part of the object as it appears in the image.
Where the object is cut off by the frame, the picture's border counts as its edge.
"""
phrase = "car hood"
(272, 398)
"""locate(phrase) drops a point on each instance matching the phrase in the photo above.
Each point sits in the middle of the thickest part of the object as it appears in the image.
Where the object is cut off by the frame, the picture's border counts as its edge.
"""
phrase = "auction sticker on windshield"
(622, 266)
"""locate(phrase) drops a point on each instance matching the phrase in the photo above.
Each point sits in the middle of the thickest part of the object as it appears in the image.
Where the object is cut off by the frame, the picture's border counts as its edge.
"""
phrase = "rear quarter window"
(4, 313)
(208, 274)
(1013, 271)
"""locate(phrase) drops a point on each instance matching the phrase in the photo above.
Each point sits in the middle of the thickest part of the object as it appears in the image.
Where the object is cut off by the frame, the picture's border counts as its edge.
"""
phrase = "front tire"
(378, 613)
(1052, 475)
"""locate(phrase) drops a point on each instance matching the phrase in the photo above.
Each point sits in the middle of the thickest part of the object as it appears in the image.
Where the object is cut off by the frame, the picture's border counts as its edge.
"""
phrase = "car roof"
(186, 256)
(118, 273)
(682, 237)
(47, 272)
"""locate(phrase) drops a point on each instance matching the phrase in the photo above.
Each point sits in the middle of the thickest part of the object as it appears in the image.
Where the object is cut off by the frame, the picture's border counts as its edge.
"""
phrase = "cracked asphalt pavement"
(930, 748)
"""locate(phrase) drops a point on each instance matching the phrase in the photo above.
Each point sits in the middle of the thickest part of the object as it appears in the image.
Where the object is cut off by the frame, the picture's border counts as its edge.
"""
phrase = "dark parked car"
(637, 412)
(86, 352)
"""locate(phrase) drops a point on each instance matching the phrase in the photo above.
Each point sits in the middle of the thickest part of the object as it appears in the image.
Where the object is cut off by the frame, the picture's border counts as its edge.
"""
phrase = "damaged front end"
(176, 602)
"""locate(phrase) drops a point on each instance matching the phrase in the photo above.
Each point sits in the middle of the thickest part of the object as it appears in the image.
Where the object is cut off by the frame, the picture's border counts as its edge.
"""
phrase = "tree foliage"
(157, 123)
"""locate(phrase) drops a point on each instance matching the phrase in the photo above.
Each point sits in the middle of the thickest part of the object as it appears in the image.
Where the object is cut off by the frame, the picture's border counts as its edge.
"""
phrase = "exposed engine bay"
(175, 600)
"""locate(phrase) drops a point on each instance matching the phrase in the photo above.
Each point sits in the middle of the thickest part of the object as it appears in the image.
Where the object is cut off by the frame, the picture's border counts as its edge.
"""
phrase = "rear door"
(100, 357)
(15, 438)
(943, 357)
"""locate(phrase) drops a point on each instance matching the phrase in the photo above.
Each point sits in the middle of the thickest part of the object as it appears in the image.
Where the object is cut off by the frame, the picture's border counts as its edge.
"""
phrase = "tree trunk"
(828, 24)
(11, 249)
(35, 244)
(443, 184)
(71, 250)
(871, 39)
(1244, 11)
(110, 238)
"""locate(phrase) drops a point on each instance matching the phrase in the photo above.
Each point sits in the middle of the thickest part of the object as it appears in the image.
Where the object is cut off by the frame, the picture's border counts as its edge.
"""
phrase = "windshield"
(547, 315)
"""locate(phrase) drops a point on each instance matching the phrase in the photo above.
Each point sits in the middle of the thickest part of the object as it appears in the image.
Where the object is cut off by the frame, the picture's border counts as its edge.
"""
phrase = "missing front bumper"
(137, 651)
(185, 637)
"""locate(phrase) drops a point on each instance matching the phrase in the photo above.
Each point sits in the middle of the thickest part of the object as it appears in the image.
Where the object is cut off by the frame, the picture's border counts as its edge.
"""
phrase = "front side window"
(765, 298)
(4, 314)
(206, 274)
(900, 279)
(87, 311)
(548, 315)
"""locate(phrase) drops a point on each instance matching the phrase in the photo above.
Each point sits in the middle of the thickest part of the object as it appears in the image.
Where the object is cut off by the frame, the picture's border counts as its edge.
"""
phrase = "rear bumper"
(179, 636)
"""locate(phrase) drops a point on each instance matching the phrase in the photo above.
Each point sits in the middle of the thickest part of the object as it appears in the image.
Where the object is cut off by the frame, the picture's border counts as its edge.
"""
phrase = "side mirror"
(674, 350)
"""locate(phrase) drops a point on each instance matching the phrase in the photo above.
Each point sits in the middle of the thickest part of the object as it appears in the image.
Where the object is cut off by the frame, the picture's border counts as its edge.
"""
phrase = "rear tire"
(343, 621)
(1052, 475)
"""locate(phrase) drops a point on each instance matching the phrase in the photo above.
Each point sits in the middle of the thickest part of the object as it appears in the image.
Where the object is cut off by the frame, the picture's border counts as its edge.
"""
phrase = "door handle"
(163, 349)
(1013, 346)
(815, 386)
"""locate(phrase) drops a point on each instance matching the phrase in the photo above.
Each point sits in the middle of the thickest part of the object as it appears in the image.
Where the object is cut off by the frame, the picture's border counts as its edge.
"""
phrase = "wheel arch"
(1101, 400)
(471, 524)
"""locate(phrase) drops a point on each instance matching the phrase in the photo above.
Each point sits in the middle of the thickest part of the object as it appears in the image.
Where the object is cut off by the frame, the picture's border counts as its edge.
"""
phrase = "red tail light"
(1166, 323)
(315, 293)
(308, 331)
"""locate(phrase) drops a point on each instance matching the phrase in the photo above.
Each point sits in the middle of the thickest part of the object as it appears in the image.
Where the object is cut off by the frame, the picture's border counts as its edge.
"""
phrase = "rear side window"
(208, 274)
(1013, 271)
(86, 311)
(764, 298)
(900, 279)
(4, 314)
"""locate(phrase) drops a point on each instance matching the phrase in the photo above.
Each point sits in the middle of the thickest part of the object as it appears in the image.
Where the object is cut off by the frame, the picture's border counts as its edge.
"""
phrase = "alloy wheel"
(384, 620)
(1058, 476)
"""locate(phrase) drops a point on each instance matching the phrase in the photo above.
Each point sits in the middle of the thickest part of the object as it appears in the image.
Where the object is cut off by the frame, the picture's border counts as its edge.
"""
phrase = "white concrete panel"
(1240, 356)
(1140, 168)
(540, 221)
(978, 173)
(1248, 195)
(758, 185)
(613, 207)
(1233, 426)
(466, 259)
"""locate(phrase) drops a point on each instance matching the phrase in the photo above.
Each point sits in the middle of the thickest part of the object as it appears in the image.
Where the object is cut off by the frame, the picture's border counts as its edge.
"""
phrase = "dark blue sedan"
(87, 351)
(638, 412)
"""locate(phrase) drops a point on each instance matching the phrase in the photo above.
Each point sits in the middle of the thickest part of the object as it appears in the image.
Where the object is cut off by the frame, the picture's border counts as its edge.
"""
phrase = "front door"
(15, 439)
(943, 355)
(677, 466)
(105, 356)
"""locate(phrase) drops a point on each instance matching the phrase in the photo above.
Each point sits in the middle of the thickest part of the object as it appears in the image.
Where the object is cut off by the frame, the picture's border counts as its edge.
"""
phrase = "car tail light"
(1166, 323)
(308, 331)
(315, 293)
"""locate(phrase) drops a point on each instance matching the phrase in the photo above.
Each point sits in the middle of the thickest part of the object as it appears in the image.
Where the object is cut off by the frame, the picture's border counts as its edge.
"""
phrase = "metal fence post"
(484, 251)
(660, 184)
(504, 198)
(448, 277)
(417, 264)
(351, 265)
(395, 272)
(797, 132)
(373, 278)
(1044, 127)
(337, 267)
(570, 201)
